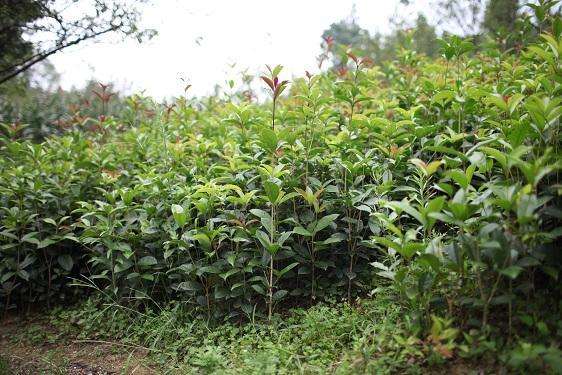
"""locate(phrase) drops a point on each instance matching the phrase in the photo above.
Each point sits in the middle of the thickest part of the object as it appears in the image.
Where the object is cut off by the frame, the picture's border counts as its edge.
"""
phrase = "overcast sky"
(201, 40)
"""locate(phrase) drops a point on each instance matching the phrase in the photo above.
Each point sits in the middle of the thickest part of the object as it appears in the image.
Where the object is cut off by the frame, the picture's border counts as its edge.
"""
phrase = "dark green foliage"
(14, 14)
(501, 16)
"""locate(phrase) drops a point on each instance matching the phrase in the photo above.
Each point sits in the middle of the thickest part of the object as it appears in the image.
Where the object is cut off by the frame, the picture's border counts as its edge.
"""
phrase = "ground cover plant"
(436, 180)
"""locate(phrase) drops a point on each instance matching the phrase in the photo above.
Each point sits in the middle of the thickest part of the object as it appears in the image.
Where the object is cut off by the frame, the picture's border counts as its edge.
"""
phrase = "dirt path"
(31, 347)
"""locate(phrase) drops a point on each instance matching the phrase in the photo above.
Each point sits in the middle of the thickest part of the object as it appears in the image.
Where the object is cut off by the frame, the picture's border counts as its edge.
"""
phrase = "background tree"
(501, 16)
(14, 14)
(455, 16)
(348, 33)
(425, 37)
(459, 16)
(421, 37)
(33, 30)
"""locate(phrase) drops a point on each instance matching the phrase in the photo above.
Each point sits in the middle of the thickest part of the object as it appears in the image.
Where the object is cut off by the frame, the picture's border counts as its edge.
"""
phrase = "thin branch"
(24, 66)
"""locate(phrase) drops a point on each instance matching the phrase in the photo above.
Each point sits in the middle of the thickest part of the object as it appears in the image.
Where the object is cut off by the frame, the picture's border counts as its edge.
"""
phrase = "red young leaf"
(366, 61)
(329, 40)
(341, 71)
(352, 56)
(279, 89)
(269, 82)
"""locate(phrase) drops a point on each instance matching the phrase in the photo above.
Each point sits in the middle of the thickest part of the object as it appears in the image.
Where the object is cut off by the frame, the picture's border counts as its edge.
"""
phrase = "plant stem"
(273, 115)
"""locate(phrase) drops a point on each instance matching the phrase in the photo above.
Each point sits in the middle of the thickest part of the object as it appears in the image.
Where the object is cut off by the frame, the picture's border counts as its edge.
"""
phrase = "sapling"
(277, 87)
(272, 240)
(313, 228)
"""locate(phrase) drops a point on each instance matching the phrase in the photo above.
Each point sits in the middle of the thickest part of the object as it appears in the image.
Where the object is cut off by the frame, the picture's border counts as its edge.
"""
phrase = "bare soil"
(24, 349)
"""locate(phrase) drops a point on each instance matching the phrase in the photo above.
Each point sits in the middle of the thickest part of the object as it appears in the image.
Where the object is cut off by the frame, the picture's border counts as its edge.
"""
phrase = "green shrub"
(440, 177)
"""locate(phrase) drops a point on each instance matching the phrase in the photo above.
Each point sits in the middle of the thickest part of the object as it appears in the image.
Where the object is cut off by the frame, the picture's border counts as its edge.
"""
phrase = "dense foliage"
(35, 112)
(438, 177)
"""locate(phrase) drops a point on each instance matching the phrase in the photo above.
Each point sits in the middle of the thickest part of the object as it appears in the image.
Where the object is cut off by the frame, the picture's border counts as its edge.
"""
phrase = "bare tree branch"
(42, 56)
(33, 30)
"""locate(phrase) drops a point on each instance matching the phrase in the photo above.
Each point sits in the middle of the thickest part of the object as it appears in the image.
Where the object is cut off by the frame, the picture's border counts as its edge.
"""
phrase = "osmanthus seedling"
(456, 47)
(272, 239)
(327, 46)
(11, 132)
(314, 227)
(104, 96)
(242, 117)
(405, 243)
(277, 87)
(422, 177)
(348, 91)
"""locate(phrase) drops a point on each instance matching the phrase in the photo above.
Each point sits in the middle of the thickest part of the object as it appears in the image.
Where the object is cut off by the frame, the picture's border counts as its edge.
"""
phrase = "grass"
(4, 367)
(372, 335)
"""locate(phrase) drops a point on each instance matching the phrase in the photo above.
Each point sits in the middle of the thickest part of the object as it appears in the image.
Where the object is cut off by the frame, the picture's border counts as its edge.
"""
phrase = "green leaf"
(324, 222)
(446, 150)
(435, 205)
(302, 231)
(386, 242)
(203, 240)
(179, 215)
(284, 236)
(46, 242)
(429, 260)
(270, 247)
(23, 274)
(5, 233)
(459, 177)
(191, 286)
(288, 268)
(512, 272)
(221, 293)
(497, 155)
(405, 206)
(258, 288)
(277, 296)
(260, 213)
(272, 191)
(226, 275)
(65, 261)
(409, 249)
(334, 238)
(30, 238)
(147, 261)
(50, 221)
(268, 140)
(286, 197)
(497, 100)
(265, 219)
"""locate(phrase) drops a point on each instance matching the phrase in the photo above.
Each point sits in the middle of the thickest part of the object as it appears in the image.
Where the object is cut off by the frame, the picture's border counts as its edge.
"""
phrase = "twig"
(113, 343)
